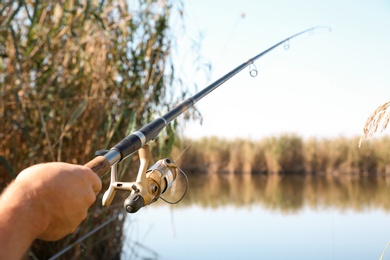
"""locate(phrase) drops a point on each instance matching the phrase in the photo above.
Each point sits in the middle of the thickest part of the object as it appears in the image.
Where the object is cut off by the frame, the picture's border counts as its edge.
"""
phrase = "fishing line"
(184, 150)
(66, 249)
(229, 39)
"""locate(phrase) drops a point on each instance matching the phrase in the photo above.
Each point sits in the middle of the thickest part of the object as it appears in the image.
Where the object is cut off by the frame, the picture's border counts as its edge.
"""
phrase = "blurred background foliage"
(286, 154)
(77, 77)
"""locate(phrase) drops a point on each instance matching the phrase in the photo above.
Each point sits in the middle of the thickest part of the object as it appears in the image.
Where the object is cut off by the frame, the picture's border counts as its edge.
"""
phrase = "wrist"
(22, 211)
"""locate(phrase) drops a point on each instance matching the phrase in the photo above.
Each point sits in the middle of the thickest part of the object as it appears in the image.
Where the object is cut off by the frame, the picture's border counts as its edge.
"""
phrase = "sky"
(325, 85)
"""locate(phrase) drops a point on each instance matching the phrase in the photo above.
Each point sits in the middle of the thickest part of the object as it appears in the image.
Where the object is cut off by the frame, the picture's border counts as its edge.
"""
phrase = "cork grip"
(100, 165)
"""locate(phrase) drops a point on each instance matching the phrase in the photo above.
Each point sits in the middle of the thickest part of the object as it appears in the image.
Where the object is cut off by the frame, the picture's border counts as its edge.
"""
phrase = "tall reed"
(77, 77)
(287, 153)
(377, 121)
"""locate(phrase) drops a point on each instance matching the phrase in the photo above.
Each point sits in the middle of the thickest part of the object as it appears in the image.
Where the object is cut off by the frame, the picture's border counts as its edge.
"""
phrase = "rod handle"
(100, 165)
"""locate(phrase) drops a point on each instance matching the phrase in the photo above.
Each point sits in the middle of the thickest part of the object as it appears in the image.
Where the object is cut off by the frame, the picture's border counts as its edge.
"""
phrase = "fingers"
(93, 179)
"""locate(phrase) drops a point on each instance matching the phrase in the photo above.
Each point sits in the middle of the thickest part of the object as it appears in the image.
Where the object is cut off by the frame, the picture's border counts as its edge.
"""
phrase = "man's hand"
(46, 201)
(63, 192)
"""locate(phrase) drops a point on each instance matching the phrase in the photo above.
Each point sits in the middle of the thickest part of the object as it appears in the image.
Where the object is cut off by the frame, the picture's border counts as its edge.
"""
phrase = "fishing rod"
(153, 182)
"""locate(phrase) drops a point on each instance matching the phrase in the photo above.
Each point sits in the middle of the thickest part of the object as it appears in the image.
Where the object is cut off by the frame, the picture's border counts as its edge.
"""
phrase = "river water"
(259, 217)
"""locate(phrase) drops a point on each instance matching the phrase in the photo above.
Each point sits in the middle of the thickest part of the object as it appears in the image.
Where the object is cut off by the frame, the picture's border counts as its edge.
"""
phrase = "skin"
(46, 201)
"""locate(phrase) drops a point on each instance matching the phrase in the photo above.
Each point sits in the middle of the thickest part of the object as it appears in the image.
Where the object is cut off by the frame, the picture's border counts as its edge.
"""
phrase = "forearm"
(21, 221)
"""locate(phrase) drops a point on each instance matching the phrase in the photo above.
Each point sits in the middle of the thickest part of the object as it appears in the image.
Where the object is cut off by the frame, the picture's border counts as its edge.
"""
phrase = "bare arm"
(46, 201)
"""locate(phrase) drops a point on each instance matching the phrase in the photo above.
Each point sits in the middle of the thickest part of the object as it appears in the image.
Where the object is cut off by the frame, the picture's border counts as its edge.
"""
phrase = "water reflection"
(265, 217)
(286, 193)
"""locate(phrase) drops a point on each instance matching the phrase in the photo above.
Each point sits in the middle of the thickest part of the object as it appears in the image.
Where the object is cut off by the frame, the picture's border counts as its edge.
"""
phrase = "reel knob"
(133, 203)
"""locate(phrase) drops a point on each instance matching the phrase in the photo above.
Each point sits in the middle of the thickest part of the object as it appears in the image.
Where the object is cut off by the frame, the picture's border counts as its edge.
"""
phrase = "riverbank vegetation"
(77, 77)
(286, 154)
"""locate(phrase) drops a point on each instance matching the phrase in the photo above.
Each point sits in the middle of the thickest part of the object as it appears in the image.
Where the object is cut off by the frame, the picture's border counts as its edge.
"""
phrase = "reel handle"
(100, 165)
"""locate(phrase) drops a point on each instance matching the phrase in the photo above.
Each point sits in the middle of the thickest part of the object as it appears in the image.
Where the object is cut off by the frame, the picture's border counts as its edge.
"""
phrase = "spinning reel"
(149, 185)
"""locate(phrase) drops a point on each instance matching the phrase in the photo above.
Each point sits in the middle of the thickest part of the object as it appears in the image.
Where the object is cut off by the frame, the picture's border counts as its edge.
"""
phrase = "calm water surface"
(255, 217)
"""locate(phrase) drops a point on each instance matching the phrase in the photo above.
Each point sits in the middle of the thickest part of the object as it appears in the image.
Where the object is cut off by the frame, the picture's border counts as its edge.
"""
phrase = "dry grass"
(287, 154)
(379, 119)
(76, 78)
